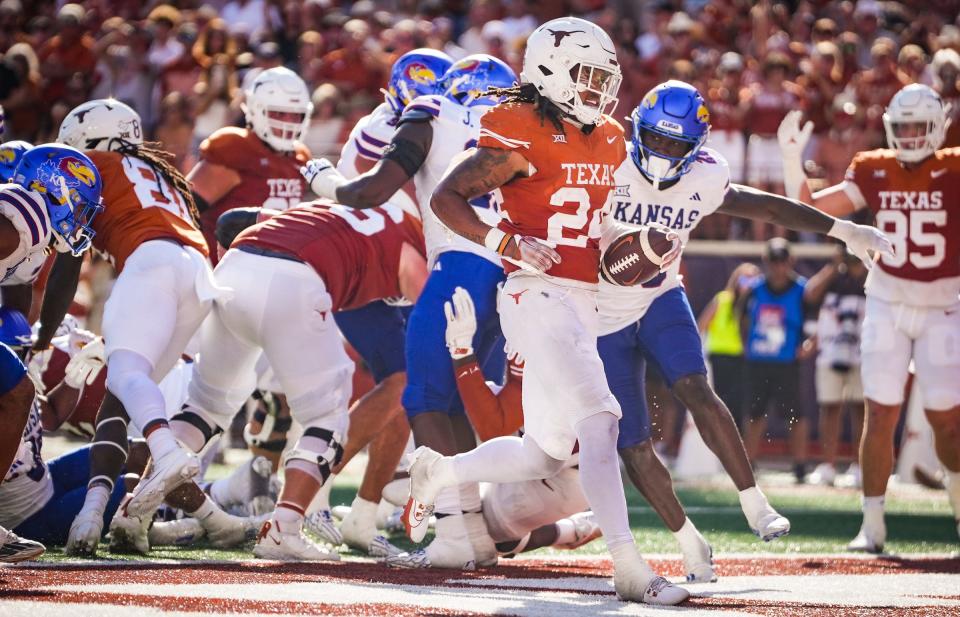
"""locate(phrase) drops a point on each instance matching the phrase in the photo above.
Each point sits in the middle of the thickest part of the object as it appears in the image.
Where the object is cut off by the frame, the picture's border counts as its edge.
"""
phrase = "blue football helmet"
(415, 73)
(672, 112)
(468, 79)
(15, 331)
(10, 154)
(70, 185)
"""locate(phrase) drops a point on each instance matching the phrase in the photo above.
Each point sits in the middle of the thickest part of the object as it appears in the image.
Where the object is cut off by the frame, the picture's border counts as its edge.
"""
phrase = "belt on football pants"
(259, 250)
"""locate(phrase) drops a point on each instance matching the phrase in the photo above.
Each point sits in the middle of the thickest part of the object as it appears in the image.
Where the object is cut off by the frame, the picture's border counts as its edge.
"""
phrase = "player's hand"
(674, 253)
(85, 365)
(792, 138)
(461, 323)
(864, 241)
(322, 177)
(531, 253)
(515, 361)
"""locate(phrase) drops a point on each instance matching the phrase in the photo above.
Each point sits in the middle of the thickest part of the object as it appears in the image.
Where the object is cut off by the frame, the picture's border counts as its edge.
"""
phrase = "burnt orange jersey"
(918, 209)
(569, 186)
(138, 205)
(268, 178)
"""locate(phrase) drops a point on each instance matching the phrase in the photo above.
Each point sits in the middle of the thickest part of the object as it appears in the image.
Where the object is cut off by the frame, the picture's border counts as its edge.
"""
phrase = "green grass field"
(824, 520)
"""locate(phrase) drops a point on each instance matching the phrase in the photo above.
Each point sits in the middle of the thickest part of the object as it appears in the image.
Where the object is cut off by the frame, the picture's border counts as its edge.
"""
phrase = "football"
(635, 258)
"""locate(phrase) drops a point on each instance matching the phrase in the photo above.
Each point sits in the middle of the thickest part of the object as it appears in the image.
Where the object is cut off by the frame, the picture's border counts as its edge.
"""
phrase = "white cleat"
(769, 525)
(868, 541)
(231, 531)
(854, 476)
(441, 553)
(321, 525)
(825, 474)
(14, 549)
(699, 566)
(273, 543)
(382, 548)
(658, 592)
(128, 534)
(178, 532)
(419, 508)
(169, 472)
(585, 528)
(361, 535)
(85, 533)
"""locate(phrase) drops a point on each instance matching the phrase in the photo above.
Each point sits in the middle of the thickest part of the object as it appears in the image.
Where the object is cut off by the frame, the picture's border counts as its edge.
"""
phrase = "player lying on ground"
(913, 297)
(432, 131)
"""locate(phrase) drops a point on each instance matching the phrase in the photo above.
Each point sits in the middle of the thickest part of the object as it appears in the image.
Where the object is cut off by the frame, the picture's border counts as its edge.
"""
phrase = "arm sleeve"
(490, 414)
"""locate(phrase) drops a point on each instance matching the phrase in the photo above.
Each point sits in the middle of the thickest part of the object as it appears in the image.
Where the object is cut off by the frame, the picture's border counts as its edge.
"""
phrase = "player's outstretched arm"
(482, 171)
(211, 182)
(401, 160)
(61, 288)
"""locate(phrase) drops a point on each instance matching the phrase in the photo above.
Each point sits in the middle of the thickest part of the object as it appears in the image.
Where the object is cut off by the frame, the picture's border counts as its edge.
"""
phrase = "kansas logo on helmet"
(650, 100)
(703, 115)
(8, 155)
(79, 170)
(421, 74)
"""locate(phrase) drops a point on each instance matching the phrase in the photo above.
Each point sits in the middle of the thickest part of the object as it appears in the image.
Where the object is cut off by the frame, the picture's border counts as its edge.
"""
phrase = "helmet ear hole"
(547, 72)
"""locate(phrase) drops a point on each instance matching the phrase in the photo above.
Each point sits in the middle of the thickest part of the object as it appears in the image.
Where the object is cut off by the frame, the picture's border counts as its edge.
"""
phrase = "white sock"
(470, 497)
(600, 477)
(292, 519)
(452, 528)
(504, 459)
(752, 500)
(484, 548)
(363, 512)
(162, 442)
(873, 511)
(96, 498)
(689, 538)
(448, 501)
(952, 483)
(321, 501)
(626, 558)
(234, 489)
(566, 532)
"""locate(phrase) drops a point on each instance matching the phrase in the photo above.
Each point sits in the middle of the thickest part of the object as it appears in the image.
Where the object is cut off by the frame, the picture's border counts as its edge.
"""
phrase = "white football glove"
(793, 140)
(461, 323)
(38, 362)
(322, 177)
(515, 361)
(85, 365)
(536, 254)
(862, 240)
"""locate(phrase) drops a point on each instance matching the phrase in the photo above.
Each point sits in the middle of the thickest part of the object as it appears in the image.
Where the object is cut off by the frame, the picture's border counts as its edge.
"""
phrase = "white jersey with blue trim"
(681, 207)
(27, 487)
(28, 213)
(365, 146)
(455, 129)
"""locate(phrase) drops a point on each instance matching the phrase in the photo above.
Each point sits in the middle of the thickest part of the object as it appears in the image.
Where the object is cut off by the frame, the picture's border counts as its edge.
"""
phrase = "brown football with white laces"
(635, 257)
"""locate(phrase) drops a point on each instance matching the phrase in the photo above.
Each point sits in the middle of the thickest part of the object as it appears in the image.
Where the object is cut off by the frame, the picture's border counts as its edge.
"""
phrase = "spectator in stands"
(216, 92)
(310, 49)
(353, 67)
(23, 105)
(481, 12)
(175, 130)
(719, 325)
(838, 289)
(66, 54)
(772, 317)
(876, 86)
(254, 19)
(165, 49)
(844, 138)
(912, 65)
(327, 126)
(945, 69)
(725, 99)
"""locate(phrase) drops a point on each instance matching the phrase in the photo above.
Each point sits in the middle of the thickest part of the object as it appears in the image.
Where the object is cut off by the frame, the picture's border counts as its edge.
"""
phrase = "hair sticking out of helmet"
(70, 185)
(10, 154)
(573, 63)
(278, 108)
(915, 122)
(670, 126)
(415, 73)
(469, 81)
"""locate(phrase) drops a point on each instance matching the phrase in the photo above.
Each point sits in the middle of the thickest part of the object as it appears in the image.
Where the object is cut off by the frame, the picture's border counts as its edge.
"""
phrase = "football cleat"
(14, 549)
(128, 534)
(585, 528)
(699, 567)
(178, 532)
(419, 508)
(381, 548)
(229, 531)
(443, 552)
(169, 472)
(658, 591)
(769, 525)
(273, 543)
(868, 541)
(321, 525)
(825, 474)
(413, 560)
(85, 533)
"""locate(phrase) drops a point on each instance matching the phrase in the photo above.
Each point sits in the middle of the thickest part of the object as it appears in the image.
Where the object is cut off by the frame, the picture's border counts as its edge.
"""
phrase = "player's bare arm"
(484, 170)
(61, 288)
(401, 160)
(211, 182)
(751, 203)
(18, 297)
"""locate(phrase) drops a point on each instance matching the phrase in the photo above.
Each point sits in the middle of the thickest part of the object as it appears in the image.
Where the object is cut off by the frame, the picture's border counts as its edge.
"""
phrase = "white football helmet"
(915, 122)
(101, 124)
(278, 91)
(574, 64)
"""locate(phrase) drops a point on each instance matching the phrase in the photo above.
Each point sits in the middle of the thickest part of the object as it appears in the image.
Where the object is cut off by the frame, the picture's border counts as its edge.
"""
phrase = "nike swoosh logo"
(610, 140)
(937, 173)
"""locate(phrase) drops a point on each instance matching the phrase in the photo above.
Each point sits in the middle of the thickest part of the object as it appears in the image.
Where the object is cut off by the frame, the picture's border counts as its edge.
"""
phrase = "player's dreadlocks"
(527, 93)
(159, 160)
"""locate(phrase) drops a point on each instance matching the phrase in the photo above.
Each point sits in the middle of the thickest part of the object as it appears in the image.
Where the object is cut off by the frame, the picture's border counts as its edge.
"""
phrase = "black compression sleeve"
(405, 153)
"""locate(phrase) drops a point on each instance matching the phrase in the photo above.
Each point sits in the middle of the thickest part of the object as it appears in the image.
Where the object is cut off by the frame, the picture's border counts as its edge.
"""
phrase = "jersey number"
(899, 227)
(153, 191)
(370, 221)
(566, 229)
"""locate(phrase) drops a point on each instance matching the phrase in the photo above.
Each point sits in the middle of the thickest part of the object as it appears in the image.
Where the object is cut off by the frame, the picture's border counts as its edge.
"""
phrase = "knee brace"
(311, 460)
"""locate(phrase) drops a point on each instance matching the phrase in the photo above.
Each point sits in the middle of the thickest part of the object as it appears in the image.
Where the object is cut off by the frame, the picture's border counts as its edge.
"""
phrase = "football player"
(550, 152)
(913, 297)
(377, 331)
(148, 231)
(10, 154)
(432, 131)
(289, 275)
(258, 165)
(670, 179)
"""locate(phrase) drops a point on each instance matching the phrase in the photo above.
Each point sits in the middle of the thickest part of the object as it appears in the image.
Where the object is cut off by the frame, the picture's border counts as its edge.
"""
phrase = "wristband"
(326, 184)
(458, 353)
(841, 229)
(497, 240)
